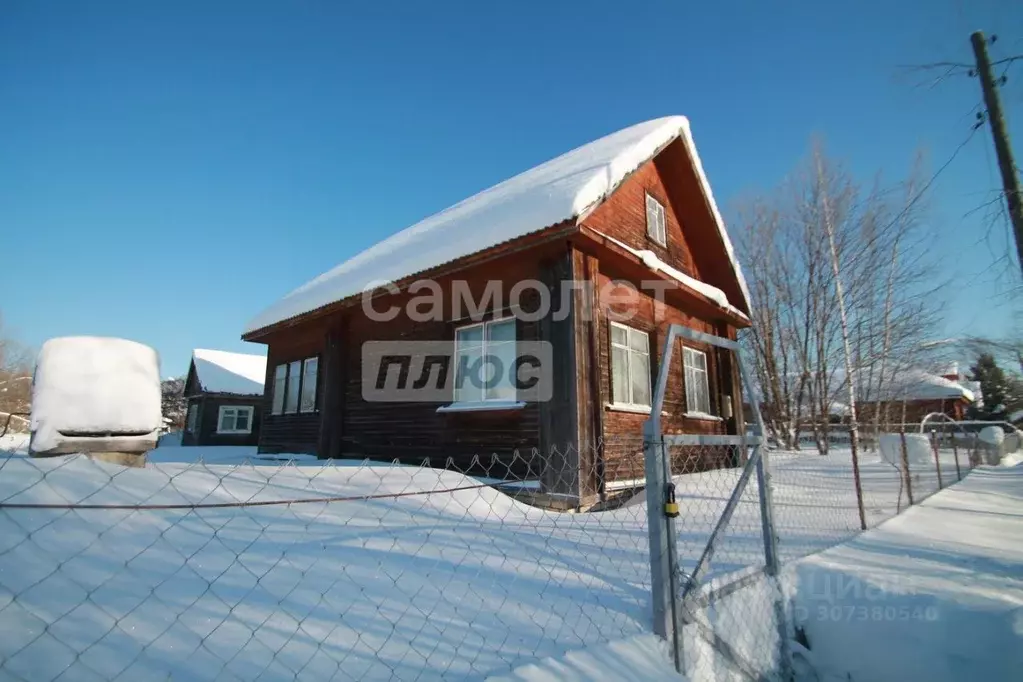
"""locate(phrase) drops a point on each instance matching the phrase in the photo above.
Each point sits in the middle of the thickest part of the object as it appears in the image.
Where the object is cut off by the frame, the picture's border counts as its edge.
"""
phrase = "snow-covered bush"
(95, 393)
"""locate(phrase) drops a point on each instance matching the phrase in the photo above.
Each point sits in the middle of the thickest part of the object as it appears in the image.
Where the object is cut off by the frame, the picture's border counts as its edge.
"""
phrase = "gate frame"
(670, 610)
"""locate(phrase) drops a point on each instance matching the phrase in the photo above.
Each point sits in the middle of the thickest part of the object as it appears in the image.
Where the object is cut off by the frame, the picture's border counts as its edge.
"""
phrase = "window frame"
(483, 325)
(631, 404)
(236, 409)
(291, 383)
(286, 393)
(661, 237)
(689, 378)
(192, 418)
(302, 385)
(276, 409)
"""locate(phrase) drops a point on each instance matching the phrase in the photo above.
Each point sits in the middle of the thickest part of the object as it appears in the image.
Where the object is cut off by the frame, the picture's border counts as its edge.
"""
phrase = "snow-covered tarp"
(559, 190)
(94, 385)
(223, 372)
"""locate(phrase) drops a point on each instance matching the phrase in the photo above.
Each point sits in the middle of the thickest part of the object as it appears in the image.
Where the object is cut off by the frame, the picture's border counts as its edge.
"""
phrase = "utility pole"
(1010, 179)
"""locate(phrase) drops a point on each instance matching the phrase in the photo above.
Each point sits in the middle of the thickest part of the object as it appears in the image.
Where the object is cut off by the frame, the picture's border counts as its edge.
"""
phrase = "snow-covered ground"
(935, 594)
(643, 658)
(13, 444)
(403, 573)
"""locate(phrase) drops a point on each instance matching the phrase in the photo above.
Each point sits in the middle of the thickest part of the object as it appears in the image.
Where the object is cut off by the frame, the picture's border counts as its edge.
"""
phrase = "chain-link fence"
(286, 568)
(307, 569)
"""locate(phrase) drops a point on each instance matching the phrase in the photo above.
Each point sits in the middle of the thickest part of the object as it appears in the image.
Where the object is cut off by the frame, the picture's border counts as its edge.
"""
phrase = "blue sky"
(168, 169)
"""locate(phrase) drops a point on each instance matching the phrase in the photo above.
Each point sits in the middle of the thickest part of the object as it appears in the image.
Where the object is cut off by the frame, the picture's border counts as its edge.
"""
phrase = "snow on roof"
(88, 384)
(222, 372)
(558, 190)
(651, 260)
(916, 384)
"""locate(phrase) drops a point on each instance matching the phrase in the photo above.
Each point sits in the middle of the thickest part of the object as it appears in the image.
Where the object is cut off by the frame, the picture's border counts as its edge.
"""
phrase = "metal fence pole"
(937, 461)
(955, 452)
(905, 465)
(765, 490)
(657, 525)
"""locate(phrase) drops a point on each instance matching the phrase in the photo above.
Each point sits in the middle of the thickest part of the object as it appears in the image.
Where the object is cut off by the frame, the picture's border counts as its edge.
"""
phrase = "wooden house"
(596, 252)
(224, 392)
(912, 394)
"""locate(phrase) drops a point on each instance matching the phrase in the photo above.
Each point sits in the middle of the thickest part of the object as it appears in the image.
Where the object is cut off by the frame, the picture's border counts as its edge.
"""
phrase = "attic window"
(655, 221)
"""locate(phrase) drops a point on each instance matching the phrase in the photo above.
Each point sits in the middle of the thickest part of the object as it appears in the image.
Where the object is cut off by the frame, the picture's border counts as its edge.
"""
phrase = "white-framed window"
(295, 386)
(235, 419)
(294, 383)
(484, 356)
(655, 228)
(697, 383)
(310, 366)
(280, 387)
(192, 418)
(630, 366)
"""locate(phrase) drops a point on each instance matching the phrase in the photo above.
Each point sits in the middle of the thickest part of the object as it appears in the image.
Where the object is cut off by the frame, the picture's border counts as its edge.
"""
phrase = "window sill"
(483, 406)
(634, 409)
(702, 416)
(233, 433)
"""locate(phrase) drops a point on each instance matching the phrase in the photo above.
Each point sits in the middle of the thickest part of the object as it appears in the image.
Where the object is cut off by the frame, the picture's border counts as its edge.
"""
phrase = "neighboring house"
(634, 206)
(910, 395)
(906, 395)
(224, 392)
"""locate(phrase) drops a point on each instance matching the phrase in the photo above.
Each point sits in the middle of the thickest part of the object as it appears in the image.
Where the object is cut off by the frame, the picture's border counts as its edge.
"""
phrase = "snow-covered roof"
(559, 190)
(916, 384)
(222, 372)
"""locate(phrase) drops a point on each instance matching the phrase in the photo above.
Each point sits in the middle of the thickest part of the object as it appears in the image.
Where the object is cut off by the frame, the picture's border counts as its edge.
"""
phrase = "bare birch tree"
(843, 295)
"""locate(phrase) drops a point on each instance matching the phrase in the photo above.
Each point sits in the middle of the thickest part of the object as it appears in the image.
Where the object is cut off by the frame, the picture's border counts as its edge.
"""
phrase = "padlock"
(671, 506)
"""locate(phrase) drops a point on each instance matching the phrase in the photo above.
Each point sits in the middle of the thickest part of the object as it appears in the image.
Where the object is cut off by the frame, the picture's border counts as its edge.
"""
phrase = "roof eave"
(526, 241)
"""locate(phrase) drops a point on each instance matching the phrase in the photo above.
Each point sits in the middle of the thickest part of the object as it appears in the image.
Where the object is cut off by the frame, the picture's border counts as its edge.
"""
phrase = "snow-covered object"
(918, 449)
(651, 260)
(559, 190)
(222, 372)
(86, 385)
(992, 435)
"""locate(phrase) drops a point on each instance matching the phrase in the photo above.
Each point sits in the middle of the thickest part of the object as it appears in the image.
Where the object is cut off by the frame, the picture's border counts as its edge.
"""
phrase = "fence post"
(955, 452)
(975, 455)
(937, 461)
(905, 465)
(663, 594)
(771, 561)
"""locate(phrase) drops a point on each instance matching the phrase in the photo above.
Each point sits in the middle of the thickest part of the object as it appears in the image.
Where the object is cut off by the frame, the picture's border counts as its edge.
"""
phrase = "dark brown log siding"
(415, 431)
(299, 432)
(209, 413)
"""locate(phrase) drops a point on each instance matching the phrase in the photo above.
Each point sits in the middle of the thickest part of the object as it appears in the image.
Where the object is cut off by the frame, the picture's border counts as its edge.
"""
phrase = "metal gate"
(735, 618)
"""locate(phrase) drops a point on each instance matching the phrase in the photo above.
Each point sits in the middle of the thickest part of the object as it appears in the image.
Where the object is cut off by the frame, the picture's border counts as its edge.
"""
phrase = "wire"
(229, 505)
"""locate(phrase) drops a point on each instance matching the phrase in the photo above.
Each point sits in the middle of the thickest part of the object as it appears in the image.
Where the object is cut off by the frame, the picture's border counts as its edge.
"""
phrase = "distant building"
(911, 395)
(225, 395)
